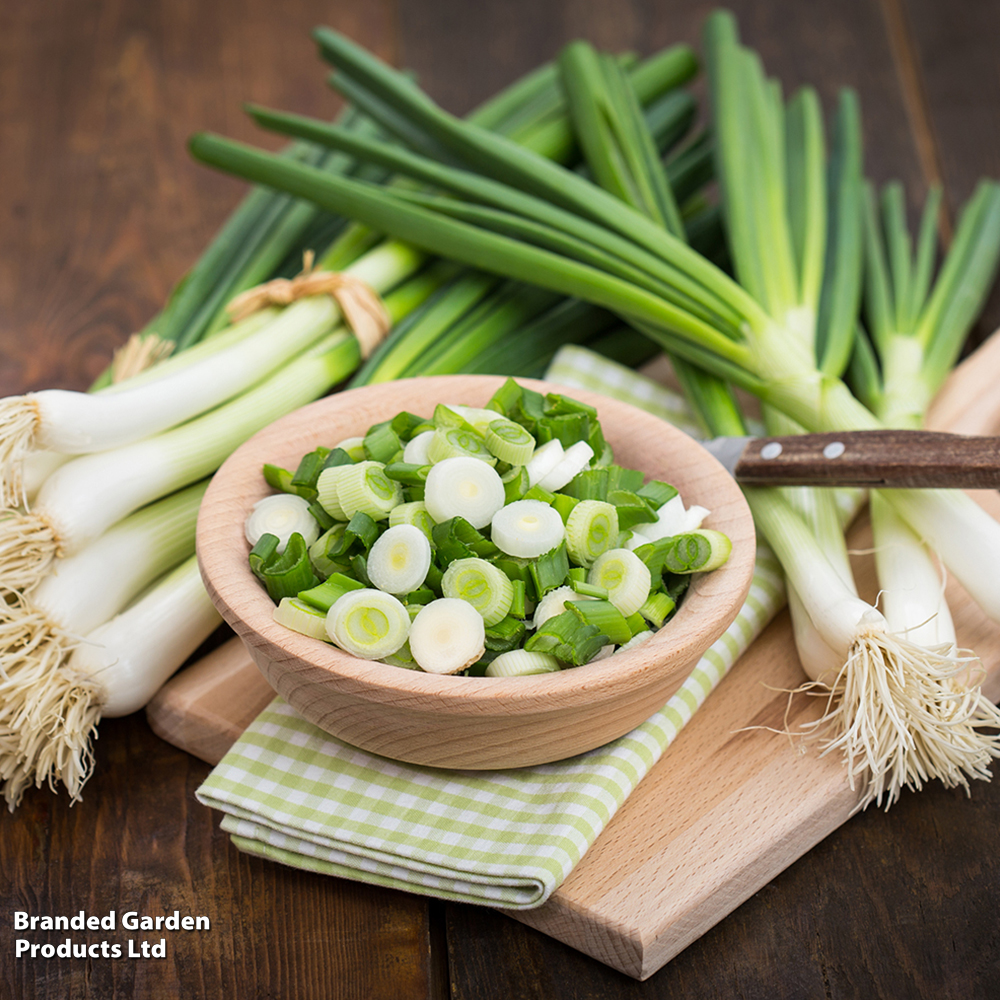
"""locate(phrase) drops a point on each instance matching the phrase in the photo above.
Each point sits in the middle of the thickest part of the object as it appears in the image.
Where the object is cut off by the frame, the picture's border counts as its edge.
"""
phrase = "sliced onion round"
(527, 529)
(463, 487)
(399, 560)
(282, 514)
(447, 636)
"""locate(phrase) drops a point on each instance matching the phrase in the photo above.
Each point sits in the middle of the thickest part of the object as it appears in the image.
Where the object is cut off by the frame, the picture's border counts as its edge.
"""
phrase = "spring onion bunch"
(62, 673)
(899, 714)
(917, 328)
(529, 219)
(455, 541)
(39, 694)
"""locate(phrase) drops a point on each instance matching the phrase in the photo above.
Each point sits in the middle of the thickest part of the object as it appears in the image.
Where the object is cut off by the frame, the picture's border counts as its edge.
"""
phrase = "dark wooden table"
(101, 211)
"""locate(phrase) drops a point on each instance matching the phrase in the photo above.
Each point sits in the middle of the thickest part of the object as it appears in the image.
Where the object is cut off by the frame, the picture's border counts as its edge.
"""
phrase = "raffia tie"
(361, 306)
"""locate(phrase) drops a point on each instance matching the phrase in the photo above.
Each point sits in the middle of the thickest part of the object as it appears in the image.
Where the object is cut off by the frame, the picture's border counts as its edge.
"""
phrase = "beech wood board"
(728, 807)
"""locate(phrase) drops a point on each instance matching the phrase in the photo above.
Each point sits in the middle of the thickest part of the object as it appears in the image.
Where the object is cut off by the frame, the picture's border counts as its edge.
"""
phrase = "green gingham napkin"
(293, 793)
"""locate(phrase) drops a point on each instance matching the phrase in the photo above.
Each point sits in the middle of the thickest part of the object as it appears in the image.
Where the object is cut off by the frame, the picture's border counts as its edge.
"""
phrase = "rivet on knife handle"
(882, 458)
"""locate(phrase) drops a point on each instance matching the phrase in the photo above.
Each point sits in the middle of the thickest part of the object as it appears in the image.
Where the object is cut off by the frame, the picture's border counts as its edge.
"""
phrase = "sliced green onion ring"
(480, 584)
(575, 459)
(281, 515)
(510, 442)
(520, 663)
(399, 560)
(527, 529)
(463, 487)
(301, 617)
(626, 578)
(591, 529)
(415, 452)
(368, 623)
(365, 487)
(447, 636)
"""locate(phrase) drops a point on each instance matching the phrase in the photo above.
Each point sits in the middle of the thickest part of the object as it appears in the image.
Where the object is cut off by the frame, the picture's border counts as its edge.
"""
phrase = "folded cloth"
(295, 794)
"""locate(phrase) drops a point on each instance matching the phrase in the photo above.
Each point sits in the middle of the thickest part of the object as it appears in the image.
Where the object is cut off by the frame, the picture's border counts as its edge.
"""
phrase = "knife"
(883, 458)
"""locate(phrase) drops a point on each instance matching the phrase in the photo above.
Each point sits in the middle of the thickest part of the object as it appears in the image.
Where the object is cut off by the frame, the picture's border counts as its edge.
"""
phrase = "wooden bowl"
(470, 722)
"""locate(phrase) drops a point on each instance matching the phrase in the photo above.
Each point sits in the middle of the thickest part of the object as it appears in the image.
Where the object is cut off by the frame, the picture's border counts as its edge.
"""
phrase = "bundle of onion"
(185, 415)
(516, 215)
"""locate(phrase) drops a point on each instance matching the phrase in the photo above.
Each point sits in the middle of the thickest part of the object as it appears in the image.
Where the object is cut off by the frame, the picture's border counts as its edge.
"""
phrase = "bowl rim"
(248, 608)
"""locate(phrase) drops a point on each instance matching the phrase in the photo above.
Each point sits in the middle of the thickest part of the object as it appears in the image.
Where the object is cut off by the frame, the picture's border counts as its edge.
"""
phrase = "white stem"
(38, 466)
(900, 714)
(835, 609)
(962, 535)
(83, 498)
(819, 661)
(132, 655)
(85, 590)
(911, 582)
(81, 422)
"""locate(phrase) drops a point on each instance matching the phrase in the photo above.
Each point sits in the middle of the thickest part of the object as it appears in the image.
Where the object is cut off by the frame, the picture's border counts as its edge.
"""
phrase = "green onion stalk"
(891, 734)
(55, 690)
(917, 327)
(510, 212)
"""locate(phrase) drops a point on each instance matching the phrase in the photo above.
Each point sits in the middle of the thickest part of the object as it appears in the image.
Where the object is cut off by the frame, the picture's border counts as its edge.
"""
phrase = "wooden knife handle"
(883, 458)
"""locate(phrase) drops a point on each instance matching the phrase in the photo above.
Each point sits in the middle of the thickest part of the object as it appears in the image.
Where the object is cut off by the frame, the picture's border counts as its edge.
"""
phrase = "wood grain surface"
(102, 212)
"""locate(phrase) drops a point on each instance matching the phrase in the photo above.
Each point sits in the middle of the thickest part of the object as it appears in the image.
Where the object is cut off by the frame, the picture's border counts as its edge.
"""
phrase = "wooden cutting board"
(727, 808)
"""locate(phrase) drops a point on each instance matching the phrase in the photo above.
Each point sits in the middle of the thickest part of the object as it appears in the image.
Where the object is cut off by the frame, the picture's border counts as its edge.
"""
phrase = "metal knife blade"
(890, 459)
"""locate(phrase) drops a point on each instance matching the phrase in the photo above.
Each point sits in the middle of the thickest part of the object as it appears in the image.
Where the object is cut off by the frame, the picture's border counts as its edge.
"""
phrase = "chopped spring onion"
(520, 663)
(368, 623)
(637, 640)
(365, 487)
(301, 617)
(326, 491)
(657, 608)
(554, 603)
(544, 460)
(354, 446)
(692, 552)
(527, 529)
(568, 637)
(415, 513)
(281, 514)
(463, 487)
(447, 636)
(591, 529)
(625, 577)
(672, 519)
(575, 459)
(457, 442)
(399, 560)
(518, 568)
(477, 417)
(416, 450)
(510, 442)
(284, 574)
(482, 585)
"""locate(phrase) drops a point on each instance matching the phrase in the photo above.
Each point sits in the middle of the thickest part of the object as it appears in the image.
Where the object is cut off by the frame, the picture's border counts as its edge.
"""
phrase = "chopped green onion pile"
(511, 544)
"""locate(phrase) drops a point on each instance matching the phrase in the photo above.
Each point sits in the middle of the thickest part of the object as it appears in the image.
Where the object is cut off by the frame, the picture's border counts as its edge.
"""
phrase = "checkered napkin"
(293, 793)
